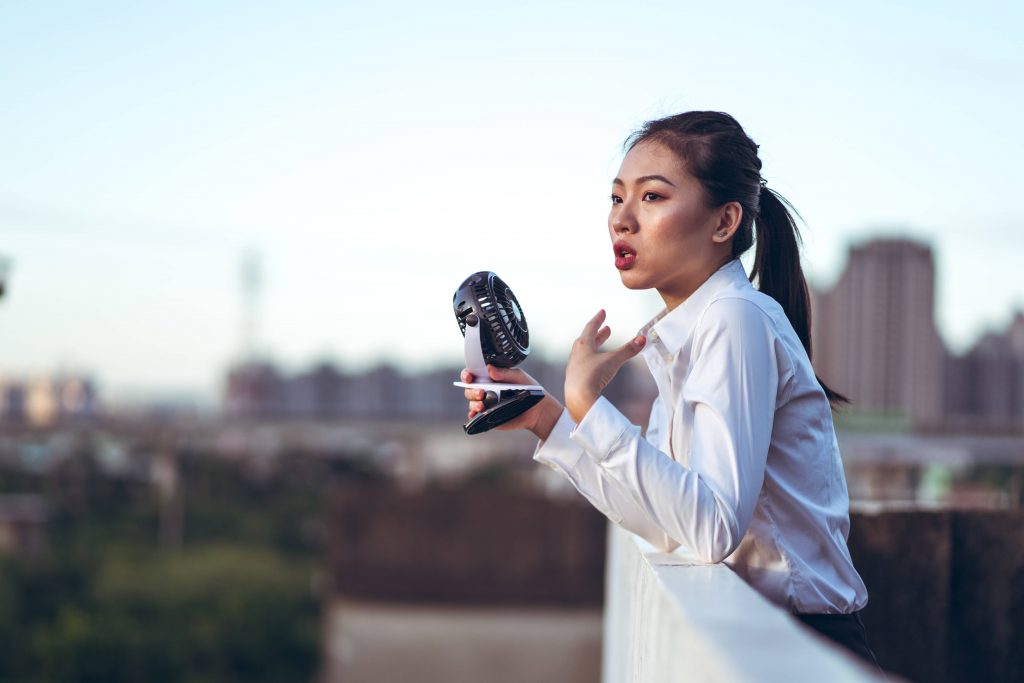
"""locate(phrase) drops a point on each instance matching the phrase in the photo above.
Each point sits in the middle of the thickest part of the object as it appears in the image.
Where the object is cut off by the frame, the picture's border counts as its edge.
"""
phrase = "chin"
(630, 281)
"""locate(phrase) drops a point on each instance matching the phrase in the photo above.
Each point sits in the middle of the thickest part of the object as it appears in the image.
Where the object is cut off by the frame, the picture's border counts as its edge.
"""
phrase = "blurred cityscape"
(875, 336)
(337, 525)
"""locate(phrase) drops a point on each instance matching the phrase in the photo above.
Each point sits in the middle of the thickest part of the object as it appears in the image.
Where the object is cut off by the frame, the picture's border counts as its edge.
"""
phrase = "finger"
(473, 394)
(602, 335)
(507, 375)
(629, 349)
(590, 329)
(466, 376)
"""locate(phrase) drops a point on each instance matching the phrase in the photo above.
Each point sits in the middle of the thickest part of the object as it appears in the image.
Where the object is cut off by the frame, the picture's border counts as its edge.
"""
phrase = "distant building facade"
(261, 390)
(875, 340)
(985, 386)
(47, 401)
(875, 337)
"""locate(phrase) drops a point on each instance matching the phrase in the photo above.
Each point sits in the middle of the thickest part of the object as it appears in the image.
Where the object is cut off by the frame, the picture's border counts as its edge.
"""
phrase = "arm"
(551, 424)
(559, 452)
(732, 390)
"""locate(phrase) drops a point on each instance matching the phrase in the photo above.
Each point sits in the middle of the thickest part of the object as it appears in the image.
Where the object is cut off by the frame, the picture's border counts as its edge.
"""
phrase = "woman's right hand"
(539, 419)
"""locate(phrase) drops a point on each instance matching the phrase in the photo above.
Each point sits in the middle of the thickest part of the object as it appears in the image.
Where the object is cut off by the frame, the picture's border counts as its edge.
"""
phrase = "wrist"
(580, 407)
(547, 417)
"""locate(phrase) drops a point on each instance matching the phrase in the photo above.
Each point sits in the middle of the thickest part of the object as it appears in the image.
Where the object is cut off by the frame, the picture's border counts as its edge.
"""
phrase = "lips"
(625, 255)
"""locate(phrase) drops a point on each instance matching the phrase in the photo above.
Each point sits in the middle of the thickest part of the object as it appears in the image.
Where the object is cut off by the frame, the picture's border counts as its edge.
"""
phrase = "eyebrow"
(644, 179)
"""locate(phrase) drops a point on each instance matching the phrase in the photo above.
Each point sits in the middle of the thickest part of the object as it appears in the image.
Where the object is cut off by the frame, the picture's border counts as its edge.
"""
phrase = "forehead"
(652, 158)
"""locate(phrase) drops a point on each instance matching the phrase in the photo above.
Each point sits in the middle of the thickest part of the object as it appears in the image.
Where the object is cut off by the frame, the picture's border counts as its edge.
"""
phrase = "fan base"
(512, 404)
(496, 386)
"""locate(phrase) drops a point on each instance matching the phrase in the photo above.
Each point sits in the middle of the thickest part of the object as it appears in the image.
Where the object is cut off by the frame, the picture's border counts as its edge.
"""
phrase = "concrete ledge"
(671, 617)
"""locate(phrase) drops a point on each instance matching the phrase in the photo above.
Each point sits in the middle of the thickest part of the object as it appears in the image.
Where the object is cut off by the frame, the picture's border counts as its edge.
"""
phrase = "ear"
(729, 217)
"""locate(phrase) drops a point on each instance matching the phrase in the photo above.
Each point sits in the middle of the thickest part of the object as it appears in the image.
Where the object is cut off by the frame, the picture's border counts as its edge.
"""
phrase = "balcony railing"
(670, 617)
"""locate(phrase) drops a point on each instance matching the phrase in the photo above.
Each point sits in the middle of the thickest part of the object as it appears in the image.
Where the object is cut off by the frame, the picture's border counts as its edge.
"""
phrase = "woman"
(740, 462)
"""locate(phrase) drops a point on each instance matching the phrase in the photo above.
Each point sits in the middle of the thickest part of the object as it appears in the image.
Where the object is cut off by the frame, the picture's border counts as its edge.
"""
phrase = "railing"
(670, 617)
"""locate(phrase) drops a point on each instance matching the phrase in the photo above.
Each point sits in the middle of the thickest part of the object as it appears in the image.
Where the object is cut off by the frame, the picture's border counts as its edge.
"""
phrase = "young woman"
(740, 462)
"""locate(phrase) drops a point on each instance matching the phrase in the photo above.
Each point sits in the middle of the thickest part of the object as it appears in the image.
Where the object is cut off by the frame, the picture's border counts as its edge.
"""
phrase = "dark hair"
(719, 154)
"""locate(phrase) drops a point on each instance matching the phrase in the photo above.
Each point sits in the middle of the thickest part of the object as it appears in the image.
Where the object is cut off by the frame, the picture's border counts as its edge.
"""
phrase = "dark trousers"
(845, 629)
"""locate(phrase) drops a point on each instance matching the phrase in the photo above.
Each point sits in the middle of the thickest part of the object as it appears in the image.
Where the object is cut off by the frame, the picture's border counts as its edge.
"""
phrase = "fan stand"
(502, 402)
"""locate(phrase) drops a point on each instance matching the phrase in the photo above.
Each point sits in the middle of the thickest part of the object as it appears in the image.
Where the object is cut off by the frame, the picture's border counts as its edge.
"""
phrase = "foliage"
(232, 602)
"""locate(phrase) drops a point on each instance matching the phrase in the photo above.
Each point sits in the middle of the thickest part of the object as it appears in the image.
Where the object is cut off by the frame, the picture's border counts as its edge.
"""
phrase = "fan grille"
(506, 342)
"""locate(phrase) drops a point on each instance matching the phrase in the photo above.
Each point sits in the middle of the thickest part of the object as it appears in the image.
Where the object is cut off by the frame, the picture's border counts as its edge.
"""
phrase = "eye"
(652, 196)
(616, 199)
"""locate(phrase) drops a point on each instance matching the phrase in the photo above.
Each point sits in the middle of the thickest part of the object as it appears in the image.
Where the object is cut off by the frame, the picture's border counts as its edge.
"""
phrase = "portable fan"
(495, 332)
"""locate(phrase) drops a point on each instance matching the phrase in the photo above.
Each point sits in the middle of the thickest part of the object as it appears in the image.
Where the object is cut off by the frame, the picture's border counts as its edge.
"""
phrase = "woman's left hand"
(590, 370)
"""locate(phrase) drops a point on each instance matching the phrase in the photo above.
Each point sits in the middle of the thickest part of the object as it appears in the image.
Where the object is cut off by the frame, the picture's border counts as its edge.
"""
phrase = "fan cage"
(506, 342)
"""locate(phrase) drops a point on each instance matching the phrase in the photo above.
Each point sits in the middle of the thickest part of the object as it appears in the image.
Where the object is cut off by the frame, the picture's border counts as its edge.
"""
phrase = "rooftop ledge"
(669, 616)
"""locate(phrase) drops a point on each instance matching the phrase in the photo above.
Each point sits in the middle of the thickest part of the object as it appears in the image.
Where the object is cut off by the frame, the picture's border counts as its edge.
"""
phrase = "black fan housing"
(504, 335)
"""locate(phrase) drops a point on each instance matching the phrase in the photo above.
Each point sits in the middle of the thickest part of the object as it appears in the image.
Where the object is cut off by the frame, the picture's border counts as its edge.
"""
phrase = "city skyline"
(543, 350)
(362, 150)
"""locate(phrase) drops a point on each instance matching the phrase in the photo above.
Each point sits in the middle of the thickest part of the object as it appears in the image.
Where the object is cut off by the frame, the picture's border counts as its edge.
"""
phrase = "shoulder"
(743, 315)
(747, 325)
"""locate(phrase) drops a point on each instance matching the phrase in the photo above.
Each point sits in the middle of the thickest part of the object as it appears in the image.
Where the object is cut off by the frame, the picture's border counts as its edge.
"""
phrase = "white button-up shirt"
(740, 461)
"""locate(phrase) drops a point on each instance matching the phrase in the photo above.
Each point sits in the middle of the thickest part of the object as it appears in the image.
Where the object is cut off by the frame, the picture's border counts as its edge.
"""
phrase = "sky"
(374, 155)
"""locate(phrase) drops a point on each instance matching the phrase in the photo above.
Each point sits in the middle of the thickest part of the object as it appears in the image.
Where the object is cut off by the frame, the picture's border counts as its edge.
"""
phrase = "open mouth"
(625, 255)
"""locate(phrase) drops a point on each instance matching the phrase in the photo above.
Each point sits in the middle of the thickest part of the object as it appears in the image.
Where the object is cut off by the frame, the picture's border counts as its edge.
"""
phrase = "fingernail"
(640, 341)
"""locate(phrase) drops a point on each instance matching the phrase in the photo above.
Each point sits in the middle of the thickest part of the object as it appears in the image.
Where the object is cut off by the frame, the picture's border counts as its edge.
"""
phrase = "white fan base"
(497, 386)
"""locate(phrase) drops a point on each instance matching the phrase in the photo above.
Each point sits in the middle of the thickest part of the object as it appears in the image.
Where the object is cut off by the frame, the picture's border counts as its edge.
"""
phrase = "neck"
(680, 291)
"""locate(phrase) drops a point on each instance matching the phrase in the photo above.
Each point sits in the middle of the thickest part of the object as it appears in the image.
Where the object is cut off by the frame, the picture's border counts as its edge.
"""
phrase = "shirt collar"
(672, 328)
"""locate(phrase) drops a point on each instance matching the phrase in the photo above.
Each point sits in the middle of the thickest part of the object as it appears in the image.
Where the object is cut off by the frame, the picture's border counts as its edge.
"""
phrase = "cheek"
(683, 226)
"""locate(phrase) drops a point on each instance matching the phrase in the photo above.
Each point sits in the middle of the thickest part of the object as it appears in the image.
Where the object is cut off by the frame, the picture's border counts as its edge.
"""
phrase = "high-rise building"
(985, 386)
(874, 334)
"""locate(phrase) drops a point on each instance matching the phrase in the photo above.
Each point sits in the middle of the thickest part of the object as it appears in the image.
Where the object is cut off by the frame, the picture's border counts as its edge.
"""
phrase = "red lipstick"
(625, 255)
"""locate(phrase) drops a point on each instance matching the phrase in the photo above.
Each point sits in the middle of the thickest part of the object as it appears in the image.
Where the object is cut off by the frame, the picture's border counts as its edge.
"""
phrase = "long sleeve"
(731, 393)
(560, 453)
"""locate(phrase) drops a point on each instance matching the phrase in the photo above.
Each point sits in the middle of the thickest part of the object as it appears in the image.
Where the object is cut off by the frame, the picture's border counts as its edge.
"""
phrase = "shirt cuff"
(601, 429)
(558, 451)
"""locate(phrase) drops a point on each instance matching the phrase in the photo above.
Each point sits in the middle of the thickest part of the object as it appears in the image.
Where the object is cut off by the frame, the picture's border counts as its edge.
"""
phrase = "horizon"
(127, 397)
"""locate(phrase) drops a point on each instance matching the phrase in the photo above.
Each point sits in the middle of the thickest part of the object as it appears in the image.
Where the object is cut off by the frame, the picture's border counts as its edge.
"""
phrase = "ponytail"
(778, 272)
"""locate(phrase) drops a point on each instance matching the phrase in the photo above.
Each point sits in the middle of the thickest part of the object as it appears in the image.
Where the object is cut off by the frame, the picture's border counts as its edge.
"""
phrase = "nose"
(622, 219)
